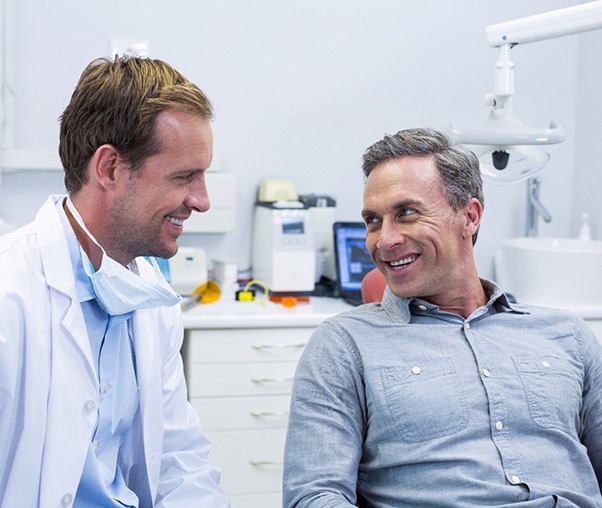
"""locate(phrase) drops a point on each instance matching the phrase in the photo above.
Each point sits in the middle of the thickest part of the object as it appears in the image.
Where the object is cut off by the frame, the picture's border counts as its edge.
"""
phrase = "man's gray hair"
(458, 166)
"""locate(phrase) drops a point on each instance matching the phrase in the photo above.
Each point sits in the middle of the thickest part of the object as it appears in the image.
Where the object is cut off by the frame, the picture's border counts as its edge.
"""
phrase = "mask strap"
(78, 218)
(87, 242)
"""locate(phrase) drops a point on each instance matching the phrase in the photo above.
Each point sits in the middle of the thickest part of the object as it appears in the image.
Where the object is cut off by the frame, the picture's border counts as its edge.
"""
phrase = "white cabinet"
(239, 382)
(240, 360)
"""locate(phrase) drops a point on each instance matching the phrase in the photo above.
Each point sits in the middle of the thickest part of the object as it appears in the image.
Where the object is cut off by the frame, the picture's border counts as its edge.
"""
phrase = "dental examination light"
(510, 151)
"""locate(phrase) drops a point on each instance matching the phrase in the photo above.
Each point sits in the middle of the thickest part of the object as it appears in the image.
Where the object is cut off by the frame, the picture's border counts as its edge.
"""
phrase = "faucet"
(535, 207)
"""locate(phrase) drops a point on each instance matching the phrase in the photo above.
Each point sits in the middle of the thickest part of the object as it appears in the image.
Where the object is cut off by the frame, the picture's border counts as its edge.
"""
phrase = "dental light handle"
(504, 73)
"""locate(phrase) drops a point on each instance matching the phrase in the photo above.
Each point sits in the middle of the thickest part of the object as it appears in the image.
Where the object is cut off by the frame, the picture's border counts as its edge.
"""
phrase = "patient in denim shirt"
(445, 394)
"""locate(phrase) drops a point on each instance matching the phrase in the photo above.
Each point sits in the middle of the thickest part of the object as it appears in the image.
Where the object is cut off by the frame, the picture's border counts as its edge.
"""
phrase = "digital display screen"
(293, 226)
(353, 260)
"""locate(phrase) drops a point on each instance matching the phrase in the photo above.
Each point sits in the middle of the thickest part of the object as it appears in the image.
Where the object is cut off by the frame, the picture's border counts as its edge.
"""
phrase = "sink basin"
(554, 272)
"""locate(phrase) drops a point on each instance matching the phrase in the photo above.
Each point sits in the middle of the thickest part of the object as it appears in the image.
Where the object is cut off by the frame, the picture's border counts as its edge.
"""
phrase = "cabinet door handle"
(279, 346)
(260, 414)
(267, 380)
(260, 463)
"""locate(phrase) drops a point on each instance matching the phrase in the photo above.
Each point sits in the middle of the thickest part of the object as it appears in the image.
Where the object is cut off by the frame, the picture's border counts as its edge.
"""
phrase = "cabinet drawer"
(261, 344)
(214, 380)
(242, 412)
(251, 461)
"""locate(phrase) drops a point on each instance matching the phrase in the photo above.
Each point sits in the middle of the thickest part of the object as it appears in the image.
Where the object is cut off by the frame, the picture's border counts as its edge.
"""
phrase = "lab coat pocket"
(425, 399)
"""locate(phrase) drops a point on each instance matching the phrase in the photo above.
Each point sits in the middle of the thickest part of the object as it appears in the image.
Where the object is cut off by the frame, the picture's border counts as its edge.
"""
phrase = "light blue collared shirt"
(401, 404)
(102, 483)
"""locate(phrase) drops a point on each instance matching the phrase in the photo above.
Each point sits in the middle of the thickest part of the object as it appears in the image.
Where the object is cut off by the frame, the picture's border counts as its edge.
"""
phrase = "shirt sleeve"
(326, 425)
(591, 412)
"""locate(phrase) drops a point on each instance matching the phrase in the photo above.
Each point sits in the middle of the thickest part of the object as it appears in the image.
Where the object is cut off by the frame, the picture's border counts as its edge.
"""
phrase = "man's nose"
(198, 196)
(390, 234)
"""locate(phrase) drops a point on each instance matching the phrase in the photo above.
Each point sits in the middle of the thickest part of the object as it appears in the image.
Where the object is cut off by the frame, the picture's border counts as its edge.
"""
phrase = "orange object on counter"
(289, 301)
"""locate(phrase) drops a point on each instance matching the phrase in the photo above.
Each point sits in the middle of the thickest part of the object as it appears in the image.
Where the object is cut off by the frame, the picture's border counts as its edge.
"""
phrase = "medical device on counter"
(188, 270)
(283, 248)
(323, 216)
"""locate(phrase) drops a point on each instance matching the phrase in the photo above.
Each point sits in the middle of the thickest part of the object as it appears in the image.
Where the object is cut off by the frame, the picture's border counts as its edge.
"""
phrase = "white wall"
(302, 88)
(588, 134)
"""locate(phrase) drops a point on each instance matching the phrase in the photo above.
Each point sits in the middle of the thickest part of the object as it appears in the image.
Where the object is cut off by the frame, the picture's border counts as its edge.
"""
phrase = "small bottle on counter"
(585, 232)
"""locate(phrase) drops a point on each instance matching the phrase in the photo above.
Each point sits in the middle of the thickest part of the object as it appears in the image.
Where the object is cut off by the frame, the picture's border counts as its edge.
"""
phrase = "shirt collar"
(404, 308)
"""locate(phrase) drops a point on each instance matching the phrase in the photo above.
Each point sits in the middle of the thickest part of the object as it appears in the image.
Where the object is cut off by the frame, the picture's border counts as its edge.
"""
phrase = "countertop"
(233, 314)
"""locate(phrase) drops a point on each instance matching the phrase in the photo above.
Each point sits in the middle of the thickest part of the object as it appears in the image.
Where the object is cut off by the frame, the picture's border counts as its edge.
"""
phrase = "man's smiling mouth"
(175, 222)
(400, 263)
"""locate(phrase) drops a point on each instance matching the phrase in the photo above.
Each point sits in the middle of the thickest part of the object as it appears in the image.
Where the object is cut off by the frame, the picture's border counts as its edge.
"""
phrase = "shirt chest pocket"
(553, 390)
(425, 400)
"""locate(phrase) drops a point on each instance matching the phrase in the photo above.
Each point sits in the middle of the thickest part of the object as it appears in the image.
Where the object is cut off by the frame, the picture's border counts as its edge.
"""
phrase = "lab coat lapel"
(143, 332)
(57, 267)
(148, 372)
(70, 405)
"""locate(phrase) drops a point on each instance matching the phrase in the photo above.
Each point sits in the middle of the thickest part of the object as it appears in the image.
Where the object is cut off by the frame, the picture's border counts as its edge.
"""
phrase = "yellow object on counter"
(208, 292)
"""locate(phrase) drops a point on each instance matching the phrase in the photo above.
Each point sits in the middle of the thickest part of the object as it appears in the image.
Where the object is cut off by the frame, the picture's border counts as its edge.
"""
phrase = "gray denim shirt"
(401, 405)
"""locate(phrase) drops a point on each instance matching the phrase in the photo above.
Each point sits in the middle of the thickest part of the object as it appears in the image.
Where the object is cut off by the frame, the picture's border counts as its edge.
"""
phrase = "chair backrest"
(373, 286)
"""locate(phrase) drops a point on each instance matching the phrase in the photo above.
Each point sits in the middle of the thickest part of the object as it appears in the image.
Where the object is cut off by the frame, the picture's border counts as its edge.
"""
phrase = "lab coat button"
(89, 407)
(67, 500)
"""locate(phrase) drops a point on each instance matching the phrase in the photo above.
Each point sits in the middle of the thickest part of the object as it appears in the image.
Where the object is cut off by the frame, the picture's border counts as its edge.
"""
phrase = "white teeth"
(403, 261)
(177, 222)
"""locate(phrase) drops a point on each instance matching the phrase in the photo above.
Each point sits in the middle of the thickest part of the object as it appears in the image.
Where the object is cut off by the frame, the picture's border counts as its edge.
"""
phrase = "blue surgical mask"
(119, 290)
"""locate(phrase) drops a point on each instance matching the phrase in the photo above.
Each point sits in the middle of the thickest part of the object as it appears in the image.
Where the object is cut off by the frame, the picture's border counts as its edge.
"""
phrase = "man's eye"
(407, 213)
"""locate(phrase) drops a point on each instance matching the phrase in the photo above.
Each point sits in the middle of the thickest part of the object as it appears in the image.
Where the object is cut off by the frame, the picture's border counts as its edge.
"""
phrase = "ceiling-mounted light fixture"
(508, 149)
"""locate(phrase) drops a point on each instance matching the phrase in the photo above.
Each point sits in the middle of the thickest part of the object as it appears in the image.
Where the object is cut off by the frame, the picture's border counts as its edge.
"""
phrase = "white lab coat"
(49, 387)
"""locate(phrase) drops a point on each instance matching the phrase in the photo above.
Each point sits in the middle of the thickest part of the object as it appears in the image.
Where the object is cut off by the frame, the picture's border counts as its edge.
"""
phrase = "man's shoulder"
(15, 239)
(358, 321)
(17, 249)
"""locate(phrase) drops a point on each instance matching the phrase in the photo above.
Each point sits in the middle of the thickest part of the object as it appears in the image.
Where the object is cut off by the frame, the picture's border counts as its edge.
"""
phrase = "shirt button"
(466, 325)
(66, 500)
(486, 373)
(499, 425)
(89, 407)
(514, 479)
(546, 364)
(422, 307)
(416, 370)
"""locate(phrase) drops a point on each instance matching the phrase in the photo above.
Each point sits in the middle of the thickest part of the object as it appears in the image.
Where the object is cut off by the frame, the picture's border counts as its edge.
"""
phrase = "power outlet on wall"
(130, 47)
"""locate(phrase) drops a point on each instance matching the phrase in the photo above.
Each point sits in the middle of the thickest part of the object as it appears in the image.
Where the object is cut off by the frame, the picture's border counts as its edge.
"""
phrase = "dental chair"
(373, 286)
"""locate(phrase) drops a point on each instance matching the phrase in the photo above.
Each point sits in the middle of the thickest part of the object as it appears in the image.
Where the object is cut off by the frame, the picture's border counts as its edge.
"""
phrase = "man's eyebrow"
(408, 203)
(188, 171)
(403, 203)
(366, 212)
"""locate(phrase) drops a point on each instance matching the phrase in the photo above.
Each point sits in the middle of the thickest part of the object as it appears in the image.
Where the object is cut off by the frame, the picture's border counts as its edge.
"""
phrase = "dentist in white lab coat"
(93, 407)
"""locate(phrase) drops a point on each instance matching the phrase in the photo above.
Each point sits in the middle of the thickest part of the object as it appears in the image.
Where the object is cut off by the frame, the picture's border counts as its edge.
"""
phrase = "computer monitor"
(352, 260)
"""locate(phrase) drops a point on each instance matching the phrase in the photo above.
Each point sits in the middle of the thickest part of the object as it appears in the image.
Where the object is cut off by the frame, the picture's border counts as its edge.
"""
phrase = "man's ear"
(104, 164)
(473, 214)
